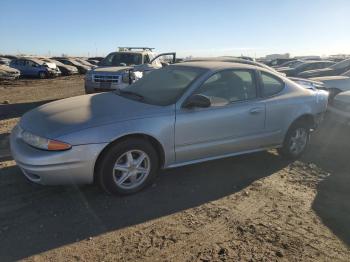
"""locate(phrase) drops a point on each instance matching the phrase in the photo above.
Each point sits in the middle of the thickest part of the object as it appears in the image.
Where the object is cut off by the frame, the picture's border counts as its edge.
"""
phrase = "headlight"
(41, 142)
(128, 77)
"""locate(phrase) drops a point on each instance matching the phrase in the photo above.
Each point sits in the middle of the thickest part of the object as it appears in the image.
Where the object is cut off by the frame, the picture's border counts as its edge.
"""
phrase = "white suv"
(119, 69)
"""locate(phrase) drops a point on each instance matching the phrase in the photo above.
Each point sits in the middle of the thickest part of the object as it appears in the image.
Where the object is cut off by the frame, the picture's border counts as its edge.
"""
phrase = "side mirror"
(197, 101)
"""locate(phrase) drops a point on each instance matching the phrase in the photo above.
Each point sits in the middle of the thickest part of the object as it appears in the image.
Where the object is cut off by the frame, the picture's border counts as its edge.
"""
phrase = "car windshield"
(120, 59)
(341, 65)
(347, 73)
(163, 86)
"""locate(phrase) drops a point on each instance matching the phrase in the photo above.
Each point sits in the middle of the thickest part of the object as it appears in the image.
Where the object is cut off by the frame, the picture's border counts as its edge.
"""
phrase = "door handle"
(255, 110)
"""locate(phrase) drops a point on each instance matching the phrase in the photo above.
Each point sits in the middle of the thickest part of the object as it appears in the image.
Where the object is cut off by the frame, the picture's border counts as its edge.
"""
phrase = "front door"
(233, 123)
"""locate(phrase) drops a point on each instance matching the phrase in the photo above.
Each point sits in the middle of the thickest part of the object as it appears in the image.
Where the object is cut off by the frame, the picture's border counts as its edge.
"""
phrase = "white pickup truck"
(119, 69)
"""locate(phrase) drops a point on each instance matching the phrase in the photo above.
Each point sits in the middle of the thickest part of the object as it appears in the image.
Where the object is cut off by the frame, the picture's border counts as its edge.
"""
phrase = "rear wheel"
(127, 167)
(296, 141)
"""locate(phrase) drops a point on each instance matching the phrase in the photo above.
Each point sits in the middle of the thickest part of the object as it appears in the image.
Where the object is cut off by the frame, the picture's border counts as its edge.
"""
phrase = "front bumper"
(95, 87)
(74, 166)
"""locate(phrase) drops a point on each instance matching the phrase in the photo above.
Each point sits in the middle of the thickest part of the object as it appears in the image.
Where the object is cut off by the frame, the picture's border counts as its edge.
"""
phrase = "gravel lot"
(250, 208)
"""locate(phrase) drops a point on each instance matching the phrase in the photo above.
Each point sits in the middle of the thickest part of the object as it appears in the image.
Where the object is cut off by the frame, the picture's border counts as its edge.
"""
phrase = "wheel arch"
(307, 119)
(155, 143)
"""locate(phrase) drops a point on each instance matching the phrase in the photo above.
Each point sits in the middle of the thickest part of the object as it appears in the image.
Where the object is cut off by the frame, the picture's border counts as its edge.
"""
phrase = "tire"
(120, 170)
(294, 146)
(42, 75)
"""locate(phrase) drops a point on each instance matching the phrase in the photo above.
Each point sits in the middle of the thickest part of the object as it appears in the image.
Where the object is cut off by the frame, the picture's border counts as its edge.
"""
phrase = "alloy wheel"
(131, 169)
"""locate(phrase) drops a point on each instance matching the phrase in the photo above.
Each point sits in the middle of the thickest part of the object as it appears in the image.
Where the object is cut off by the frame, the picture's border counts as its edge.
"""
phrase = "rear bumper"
(74, 166)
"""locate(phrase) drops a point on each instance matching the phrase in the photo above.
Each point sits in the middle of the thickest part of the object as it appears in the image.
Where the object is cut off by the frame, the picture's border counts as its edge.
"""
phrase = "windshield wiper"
(130, 93)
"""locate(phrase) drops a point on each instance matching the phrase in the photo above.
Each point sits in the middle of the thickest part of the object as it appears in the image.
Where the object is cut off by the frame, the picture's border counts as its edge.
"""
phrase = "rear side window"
(271, 85)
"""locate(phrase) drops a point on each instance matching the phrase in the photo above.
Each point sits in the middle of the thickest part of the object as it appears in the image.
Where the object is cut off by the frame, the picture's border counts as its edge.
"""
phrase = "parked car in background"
(306, 65)
(247, 58)
(66, 70)
(84, 62)
(340, 108)
(174, 116)
(308, 83)
(333, 70)
(231, 59)
(34, 67)
(93, 62)
(119, 69)
(11, 57)
(96, 58)
(279, 61)
(72, 62)
(9, 73)
(347, 73)
(334, 84)
(290, 64)
(5, 61)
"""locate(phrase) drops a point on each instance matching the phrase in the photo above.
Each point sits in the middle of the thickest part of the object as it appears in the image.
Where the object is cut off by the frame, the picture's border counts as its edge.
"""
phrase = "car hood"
(51, 65)
(69, 115)
(111, 69)
(282, 68)
(68, 67)
(311, 80)
(9, 70)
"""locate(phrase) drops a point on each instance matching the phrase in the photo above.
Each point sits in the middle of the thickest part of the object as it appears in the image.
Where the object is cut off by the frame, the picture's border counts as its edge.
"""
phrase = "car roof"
(214, 65)
(132, 52)
(231, 60)
(33, 59)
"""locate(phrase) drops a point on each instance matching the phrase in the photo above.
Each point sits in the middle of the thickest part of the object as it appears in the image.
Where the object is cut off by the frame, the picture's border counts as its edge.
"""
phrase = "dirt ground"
(255, 207)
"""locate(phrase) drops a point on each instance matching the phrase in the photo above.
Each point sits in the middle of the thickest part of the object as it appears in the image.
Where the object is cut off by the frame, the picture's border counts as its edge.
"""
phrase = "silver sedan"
(179, 115)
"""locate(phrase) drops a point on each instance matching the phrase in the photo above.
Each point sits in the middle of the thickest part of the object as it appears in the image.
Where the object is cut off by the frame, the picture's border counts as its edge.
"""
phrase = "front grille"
(106, 78)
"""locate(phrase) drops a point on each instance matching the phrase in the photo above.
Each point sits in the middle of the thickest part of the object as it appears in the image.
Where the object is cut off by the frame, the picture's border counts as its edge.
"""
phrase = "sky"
(189, 27)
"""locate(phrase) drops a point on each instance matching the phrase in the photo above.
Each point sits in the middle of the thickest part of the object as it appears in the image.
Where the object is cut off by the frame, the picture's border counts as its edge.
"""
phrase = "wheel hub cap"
(298, 141)
(131, 169)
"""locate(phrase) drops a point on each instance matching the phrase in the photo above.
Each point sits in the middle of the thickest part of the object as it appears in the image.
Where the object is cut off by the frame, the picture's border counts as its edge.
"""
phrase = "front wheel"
(127, 167)
(296, 141)
(42, 75)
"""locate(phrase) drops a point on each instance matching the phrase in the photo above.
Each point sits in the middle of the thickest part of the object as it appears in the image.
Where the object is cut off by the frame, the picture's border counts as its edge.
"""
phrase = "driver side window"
(229, 86)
